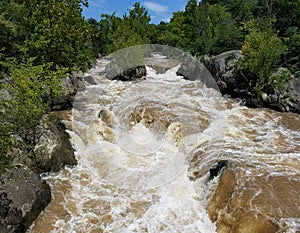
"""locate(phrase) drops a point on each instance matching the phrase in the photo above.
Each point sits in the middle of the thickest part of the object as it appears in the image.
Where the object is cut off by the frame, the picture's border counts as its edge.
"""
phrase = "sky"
(159, 10)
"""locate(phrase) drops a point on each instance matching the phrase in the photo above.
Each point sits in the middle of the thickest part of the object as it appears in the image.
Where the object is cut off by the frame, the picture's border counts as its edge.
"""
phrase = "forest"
(43, 40)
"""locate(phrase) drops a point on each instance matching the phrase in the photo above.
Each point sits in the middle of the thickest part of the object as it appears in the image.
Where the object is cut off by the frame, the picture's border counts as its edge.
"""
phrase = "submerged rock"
(23, 195)
(216, 170)
(247, 202)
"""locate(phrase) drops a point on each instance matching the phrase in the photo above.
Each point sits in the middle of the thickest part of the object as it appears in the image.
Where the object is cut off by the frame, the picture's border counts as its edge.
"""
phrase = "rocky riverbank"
(23, 194)
(234, 83)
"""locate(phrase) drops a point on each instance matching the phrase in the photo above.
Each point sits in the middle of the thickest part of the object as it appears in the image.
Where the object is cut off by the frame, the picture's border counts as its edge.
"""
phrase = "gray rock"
(222, 68)
(127, 75)
(294, 104)
(53, 149)
(70, 85)
(234, 83)
(90, 80)
(23, 195)
(192, 69)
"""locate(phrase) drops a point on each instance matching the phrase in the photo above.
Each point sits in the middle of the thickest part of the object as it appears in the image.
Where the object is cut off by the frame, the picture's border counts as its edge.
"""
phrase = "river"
(144, 150)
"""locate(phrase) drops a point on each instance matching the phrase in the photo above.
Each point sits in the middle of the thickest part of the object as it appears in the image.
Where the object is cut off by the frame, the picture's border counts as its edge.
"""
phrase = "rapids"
(144, 150)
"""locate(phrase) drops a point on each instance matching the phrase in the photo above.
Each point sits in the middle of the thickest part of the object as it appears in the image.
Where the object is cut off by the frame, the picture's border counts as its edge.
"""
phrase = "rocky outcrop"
(53, 149)
(294, 105)
(127, 75)
(23, 195)
(192, 69)
(235, 83)
(70, 86)
(222, 68)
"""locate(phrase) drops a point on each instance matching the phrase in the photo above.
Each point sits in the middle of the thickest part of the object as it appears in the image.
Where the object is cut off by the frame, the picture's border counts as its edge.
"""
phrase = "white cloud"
(97, 3)
(153, 6)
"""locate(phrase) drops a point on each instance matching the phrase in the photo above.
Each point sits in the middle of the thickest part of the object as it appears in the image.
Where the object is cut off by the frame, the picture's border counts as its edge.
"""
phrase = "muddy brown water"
(144, 165)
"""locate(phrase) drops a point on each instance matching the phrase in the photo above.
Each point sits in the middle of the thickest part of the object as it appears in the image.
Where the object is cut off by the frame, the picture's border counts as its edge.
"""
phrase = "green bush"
(262, 51)
(24, 98)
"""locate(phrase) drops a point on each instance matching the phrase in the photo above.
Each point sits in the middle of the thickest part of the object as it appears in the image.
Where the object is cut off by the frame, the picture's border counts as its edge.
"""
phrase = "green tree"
(202, 29)
(24, 97)
(132, 29)
(59, 34)
(174, 33)
(13, 28)
(96, 44)
(219, 32)
(262, 53)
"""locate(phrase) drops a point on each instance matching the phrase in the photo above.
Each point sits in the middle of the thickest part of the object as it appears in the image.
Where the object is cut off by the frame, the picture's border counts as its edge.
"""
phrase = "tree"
(59, 34)
(262, 52)
(174, 33)
(132, 29)
(24, 97)
(96, 44)
(203, 29)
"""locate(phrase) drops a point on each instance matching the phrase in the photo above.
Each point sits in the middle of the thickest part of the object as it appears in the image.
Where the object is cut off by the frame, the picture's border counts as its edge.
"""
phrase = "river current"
(144, 150)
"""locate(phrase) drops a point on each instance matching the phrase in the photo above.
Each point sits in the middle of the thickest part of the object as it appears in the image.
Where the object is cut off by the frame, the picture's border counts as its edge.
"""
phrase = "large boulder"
(53, 149)
(23, 195)
(131, 74)
(222, 67)
(294, 104)
(70, 86)
(193, 69)
(116, 73)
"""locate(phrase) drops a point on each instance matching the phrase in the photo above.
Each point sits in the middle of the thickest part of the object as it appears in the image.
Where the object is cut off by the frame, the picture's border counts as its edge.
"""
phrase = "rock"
(70, 85)
(131, 74)
(222, 68)
(23, 195)
(63, 103)
(161, 64)
(192, 69)
(90, 80)
(53, 149)
(216, 170)
(235, 83)
(285, 97)
(294, 103)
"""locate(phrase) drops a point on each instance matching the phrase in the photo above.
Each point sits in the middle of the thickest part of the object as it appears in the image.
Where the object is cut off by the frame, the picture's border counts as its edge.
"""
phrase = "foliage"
(262, 51)
(24, 97)
(59, 34)
(202, 29)
(118, 33)
(53, 31)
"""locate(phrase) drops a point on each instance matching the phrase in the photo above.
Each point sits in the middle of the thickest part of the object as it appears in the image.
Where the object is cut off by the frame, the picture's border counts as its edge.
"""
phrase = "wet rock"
(216, 170)
(70, 85)
(23, 195)
(90, 80)
(294, 92)
(192, 69)
(53, 149)
(235, 83)
(222, 69)
(161, 64)
(131, 74)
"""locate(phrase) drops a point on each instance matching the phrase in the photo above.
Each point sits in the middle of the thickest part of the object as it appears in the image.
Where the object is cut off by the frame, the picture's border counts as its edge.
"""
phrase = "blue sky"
(159, 10)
